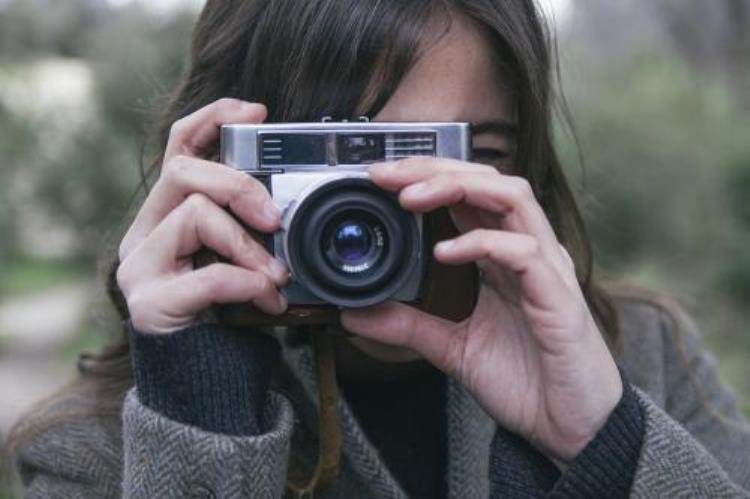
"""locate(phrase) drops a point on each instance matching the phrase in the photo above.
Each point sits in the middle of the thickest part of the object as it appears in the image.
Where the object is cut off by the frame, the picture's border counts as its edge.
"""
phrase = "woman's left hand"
(530, 353)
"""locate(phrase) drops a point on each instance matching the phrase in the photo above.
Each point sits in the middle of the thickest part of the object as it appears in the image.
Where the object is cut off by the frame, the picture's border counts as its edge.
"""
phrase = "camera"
(345, 241)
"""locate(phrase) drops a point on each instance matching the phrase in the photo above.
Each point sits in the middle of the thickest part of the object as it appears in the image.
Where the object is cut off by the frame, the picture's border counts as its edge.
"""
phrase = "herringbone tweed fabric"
(696, 443)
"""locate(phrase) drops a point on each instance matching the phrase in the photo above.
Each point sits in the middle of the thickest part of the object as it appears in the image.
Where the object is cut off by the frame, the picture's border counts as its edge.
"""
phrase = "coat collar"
(469, 433)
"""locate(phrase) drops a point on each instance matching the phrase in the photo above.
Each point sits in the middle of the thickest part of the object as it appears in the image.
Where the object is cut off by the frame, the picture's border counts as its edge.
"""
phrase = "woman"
(552, 386)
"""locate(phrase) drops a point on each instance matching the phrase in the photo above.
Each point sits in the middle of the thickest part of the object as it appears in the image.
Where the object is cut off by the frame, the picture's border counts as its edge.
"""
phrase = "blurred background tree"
(78, 83)
(82, 79)
(660, 95)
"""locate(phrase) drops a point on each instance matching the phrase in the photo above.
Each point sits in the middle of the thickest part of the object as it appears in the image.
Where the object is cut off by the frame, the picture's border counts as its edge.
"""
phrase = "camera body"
(346, 241)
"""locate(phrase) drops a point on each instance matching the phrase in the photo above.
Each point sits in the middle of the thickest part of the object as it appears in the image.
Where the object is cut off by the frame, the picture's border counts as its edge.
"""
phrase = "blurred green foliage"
(666, 152)
(86, 184)
(28, 275)
(665, 188)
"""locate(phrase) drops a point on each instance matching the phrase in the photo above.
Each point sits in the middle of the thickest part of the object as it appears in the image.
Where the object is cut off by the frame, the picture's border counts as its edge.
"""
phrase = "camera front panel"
(347, 242)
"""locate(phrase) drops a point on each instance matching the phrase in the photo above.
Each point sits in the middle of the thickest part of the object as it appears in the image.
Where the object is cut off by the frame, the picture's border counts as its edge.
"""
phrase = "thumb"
(438, 340)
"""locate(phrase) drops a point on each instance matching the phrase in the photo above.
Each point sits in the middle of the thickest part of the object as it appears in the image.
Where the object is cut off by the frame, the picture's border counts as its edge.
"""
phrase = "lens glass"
(353, 242)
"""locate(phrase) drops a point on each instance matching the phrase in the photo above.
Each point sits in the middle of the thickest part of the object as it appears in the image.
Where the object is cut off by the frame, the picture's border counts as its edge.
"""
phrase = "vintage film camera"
(346, 242)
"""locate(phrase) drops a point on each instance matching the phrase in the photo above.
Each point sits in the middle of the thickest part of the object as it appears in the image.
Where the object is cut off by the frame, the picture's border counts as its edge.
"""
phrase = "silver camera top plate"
(278, 147)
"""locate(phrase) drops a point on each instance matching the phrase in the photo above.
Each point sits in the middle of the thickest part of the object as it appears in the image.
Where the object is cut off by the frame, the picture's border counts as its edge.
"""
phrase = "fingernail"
(415, 190)
(271, 212)
(445, 246)
(283, 302)
(278, 270)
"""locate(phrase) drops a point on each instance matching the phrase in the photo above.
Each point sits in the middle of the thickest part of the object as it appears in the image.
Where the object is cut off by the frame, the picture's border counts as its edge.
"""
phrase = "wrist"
(572, 441)
(605, 467)
(205, 375)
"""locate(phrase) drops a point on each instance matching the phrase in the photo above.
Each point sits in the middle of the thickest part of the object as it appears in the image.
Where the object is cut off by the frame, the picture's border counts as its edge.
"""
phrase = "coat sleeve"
(165, 458)
(201, 420)
(698, 443)
(77, 459)
(85, 458)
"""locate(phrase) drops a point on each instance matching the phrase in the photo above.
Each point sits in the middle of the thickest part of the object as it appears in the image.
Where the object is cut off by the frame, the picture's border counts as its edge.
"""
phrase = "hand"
(184, 212)
(531, 352)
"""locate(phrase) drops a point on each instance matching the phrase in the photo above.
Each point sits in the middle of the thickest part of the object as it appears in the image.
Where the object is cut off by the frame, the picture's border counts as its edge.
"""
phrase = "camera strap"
(329, 427)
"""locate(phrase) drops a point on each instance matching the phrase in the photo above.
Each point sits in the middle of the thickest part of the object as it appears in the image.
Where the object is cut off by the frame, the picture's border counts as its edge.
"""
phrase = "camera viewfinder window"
(360, 149)
(292, 149)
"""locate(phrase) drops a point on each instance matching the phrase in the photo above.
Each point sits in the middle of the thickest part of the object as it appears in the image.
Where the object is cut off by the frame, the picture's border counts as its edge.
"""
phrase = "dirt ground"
(33, 328)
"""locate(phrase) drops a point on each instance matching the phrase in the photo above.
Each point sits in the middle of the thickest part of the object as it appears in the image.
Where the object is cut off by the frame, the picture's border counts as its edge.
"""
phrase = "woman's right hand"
(184, 212)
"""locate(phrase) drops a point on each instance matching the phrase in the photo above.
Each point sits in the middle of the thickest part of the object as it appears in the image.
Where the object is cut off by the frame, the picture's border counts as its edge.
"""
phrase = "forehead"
(456, 79)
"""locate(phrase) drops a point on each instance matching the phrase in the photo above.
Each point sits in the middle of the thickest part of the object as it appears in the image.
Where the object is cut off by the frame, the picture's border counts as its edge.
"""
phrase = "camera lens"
(351, 244)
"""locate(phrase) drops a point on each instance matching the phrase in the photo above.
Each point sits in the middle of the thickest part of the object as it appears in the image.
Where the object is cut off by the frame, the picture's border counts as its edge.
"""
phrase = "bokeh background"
(659, 93)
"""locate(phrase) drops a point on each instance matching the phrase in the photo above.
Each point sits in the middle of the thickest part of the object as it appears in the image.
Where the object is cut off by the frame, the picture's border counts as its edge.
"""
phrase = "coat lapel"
(470, 432)
(360, 456)
(469, 429)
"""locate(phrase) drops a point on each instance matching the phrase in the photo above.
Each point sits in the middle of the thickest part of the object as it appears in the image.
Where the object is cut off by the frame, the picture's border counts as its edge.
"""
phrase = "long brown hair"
(343, 58)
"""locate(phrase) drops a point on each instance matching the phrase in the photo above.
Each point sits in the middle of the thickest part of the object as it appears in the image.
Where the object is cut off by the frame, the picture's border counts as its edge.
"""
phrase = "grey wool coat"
(696, 443)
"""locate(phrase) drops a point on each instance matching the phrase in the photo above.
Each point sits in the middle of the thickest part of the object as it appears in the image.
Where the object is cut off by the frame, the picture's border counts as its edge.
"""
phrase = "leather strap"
(329, 427)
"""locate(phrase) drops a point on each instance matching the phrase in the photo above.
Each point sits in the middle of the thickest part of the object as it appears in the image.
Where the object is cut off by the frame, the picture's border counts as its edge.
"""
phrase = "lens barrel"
(351, 244)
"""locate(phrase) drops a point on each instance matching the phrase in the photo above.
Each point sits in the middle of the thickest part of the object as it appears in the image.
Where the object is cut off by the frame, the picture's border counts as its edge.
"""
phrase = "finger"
(223, 283)
(181, 176)
(394, 323)
(396, 175)
(429, 183)
(181, 297)
(520, 253)
(567, 258)
(193, 134)
(505, 195)
(196, 223)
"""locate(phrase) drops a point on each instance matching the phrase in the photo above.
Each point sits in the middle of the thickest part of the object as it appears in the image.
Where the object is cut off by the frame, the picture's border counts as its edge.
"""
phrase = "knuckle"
(175, 168)
(415, 162)
(264, 285)
(198, 202)
(566, 256)
(123, 276)
(211, 278)
(484, 169)
(124, 249)
(226, 104)
(522, 190)
(533, 248)
(244, 189)
(236, 193)
(177, 130)
(245, 243)
(446, 179)
(140, 307)
(487, 241)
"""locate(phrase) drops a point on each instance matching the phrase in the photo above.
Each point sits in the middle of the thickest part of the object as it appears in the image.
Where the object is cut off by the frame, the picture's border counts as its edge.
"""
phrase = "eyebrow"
(500, 127)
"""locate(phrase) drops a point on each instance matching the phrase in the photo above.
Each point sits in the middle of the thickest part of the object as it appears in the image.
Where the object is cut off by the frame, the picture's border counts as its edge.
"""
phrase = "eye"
(489, 155)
